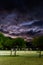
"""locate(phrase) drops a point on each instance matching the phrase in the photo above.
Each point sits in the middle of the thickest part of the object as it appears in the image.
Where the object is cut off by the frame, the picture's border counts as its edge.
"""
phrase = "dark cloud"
(21, 5)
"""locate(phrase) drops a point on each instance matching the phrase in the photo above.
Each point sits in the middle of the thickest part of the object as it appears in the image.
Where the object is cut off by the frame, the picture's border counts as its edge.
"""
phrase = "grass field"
(20, 60)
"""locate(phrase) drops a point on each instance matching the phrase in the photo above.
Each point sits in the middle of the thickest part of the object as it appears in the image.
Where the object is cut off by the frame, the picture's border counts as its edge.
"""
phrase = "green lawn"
(20, 60)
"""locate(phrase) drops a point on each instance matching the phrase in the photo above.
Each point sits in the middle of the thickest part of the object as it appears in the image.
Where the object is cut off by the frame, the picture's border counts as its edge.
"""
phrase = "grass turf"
(20, 60)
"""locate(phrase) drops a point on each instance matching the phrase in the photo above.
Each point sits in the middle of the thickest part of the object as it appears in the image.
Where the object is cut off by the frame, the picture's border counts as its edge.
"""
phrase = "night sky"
(20, 5)
(19, 15)
(33, 8)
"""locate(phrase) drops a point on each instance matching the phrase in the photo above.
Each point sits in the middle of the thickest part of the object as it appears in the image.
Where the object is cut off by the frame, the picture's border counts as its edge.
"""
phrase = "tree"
(38, 42)
(8, 43)
(5, 42)
(18, 43)
(1, 40)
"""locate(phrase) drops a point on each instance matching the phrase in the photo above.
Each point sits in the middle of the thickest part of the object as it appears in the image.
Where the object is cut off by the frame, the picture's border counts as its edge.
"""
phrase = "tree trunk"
(15, 52)
(11, 51)
(39, 53)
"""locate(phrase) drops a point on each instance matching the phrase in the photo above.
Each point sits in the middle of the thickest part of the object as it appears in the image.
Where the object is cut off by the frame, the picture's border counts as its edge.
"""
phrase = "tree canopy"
(7, 42)
(38, 42)
(19, 42)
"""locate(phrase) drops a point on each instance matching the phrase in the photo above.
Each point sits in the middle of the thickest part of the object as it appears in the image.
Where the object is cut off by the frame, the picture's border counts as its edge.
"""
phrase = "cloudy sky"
(21, 13)
(34, 7)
